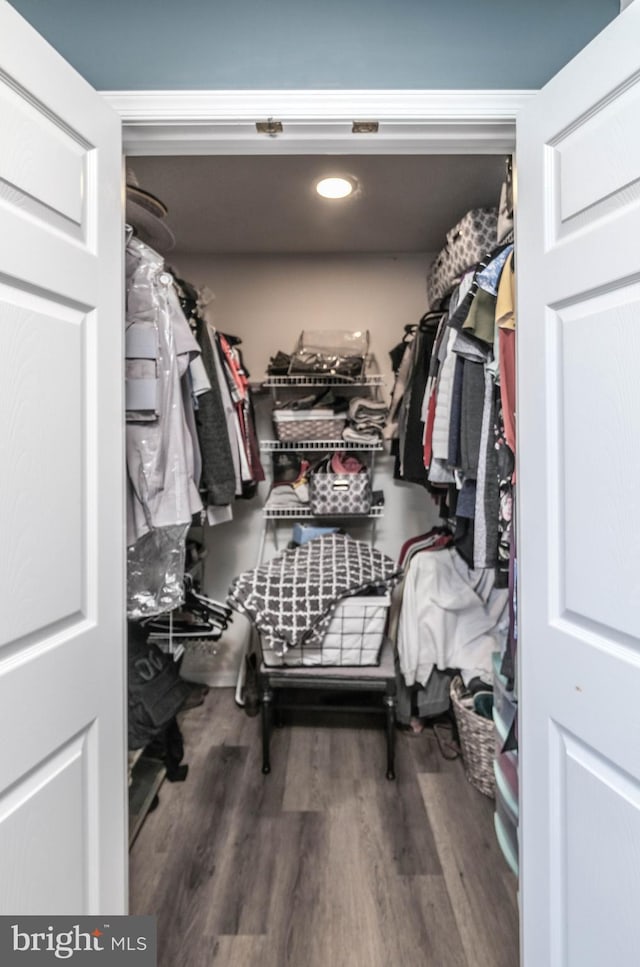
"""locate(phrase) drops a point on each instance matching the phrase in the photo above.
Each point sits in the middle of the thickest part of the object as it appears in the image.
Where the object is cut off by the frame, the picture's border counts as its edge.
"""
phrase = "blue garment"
(488, 279)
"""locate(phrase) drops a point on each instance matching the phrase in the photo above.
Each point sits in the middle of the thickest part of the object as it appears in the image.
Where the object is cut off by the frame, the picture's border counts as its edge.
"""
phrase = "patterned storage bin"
(340, 493)
(474, 236)
(320, 424)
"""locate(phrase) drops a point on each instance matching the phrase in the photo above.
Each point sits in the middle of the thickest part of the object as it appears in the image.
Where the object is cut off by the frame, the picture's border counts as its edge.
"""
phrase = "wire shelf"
(270, 445)
(291, 513)
(373, 379)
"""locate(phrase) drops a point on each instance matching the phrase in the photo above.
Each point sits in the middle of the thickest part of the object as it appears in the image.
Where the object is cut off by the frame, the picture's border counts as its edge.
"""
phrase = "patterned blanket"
(291, 598)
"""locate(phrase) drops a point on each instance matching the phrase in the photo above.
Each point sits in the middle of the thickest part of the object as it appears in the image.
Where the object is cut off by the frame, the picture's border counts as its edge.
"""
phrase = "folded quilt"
(292, 598)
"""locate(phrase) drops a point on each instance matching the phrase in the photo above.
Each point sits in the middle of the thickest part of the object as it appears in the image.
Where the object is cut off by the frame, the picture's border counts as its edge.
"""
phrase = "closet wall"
(268, 300)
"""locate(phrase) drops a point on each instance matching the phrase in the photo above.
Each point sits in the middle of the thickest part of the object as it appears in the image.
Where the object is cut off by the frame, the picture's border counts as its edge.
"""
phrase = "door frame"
(318, 122)
(164, 123)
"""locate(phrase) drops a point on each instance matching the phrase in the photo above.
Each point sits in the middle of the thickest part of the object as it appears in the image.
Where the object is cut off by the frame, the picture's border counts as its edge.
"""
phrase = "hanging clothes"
(162, 491)
(218, 484)
(465, 372)
(412, 440)
(162, 449)
(451, 617)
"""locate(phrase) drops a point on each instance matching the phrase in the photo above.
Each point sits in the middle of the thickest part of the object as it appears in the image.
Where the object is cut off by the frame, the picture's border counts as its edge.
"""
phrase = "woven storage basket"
(477, 741)
(293, 425)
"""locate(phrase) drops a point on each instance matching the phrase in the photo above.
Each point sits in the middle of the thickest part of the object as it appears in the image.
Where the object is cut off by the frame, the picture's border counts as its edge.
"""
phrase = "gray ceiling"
(268, 205)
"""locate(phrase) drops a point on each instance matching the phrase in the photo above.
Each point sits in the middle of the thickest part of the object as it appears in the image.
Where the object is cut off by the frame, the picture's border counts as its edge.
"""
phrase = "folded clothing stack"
(325, 400)
(279, 364)
(290, 482)
(367, 419)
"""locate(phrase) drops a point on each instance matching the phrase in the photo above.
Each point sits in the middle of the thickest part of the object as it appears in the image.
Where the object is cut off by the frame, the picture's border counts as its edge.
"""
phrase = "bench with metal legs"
(274, 683)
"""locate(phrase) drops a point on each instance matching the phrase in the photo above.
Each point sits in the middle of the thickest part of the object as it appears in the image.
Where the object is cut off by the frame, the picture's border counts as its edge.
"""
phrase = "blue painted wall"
(317, 44)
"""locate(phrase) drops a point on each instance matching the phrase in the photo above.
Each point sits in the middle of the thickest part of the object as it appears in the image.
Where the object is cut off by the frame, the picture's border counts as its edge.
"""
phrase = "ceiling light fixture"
(335, 187)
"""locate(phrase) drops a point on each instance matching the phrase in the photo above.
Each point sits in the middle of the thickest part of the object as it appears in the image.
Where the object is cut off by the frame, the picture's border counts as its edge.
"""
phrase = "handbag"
(473, 236)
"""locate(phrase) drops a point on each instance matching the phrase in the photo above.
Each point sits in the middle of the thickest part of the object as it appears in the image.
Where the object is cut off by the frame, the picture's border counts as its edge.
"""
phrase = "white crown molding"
(223, 122)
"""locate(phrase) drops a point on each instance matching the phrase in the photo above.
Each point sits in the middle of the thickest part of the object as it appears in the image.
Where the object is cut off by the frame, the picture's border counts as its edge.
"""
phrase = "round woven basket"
(477, 741)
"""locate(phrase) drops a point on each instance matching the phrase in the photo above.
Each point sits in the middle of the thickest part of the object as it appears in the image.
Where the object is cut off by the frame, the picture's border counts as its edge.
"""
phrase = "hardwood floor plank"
(269, 791)
(217, 721)
(419, 925)
(324, 862)
(308, 766)
(405, 919)
(481, 888)
(235, 952)
(346, 924)
(359, 751)
(251, 869)
(405, 824)
(295, 894)
(424, 750)
(180, 900)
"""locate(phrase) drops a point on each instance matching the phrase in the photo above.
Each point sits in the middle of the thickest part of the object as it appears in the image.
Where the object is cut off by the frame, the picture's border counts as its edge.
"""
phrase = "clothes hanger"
(215, 609)
(198, 599)
(428, 319)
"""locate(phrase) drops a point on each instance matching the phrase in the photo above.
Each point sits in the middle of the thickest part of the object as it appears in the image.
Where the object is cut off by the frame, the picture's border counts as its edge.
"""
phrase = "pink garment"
(342, 462)
(507, 347)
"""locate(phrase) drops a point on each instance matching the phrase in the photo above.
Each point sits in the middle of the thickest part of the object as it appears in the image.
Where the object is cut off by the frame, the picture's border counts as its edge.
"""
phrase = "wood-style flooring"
(323, 863)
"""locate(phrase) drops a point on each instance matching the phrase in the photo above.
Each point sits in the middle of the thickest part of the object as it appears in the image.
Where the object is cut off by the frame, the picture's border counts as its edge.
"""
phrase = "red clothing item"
(238, 374)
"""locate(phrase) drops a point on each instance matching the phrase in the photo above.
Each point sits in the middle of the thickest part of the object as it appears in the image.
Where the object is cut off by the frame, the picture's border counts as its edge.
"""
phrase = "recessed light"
(335, 187)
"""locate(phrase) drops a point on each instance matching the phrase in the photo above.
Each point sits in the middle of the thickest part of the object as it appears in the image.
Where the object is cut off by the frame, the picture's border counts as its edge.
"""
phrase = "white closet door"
(578, 251)
(62, 772)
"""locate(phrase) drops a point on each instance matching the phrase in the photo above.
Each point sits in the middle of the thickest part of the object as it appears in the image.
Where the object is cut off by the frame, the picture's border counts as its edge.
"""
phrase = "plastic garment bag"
(162, 452)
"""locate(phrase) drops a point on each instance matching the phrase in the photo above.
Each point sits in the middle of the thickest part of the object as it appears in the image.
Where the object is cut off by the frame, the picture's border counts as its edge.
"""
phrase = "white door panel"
(578, 225)
(63, 761)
